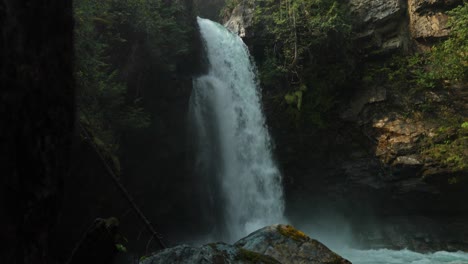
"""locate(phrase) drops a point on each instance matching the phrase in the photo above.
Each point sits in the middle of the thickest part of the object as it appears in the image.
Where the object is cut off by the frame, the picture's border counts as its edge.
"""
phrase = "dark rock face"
(273, 244)
(380, 25)
(36, 123)
(368, 165)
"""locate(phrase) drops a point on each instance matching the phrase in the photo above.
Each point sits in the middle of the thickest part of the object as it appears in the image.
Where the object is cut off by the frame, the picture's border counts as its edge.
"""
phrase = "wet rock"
(273, 244)
(211, 253)
(289, 245)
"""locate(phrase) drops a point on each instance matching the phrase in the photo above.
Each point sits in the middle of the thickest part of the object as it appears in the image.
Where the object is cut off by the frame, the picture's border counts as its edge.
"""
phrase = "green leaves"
(102, 33)
(306, 44)
(449, 60)
(295, 98)
(121, 248)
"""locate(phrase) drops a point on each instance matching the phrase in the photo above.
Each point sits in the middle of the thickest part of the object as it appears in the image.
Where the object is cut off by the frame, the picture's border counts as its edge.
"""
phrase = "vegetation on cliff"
(430, 86)
(449, 60)
(108, 33)
(306, 58)
(441, 70)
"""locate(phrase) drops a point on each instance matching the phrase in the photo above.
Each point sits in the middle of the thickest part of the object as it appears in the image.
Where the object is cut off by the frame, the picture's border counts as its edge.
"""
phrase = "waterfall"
(233, 148)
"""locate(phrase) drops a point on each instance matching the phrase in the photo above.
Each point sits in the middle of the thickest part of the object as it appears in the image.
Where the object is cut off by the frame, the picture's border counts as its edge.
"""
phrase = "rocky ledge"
(272, 244)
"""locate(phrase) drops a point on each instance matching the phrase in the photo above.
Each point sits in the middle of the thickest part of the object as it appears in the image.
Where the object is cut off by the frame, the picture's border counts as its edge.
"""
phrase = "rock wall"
(428, 19)
(368, 166)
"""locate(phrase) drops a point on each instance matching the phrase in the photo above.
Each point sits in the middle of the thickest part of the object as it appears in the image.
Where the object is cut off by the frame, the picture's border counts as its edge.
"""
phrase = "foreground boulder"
(289, 245)
(212, 253)
(273, 244)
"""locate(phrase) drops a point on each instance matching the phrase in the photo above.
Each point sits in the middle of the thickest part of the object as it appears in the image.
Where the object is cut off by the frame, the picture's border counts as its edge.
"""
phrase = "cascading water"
(233, 152)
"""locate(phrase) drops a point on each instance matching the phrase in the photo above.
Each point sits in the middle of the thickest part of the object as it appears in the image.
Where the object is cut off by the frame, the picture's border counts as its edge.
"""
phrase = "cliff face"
(375, 160)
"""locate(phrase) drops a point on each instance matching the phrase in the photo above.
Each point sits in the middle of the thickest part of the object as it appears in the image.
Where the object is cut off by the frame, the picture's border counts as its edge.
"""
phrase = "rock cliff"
(376, 158)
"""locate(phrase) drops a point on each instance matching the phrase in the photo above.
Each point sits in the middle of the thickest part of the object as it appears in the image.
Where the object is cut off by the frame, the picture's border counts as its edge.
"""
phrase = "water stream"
(233, 147)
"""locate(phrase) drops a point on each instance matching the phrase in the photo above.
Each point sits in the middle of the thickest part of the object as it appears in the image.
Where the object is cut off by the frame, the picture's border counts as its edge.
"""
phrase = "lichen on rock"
(270, 245)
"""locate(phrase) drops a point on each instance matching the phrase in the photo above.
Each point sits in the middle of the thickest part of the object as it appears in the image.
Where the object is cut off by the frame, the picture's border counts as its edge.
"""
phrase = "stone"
(428, 18)
(211, 253)
(379, 25)
(375, 11)
(429, 26)
(241, 19)
(274, 244)
(421, 6)
(369, 95)
(289, 245)
(397, 137)
(407, 161)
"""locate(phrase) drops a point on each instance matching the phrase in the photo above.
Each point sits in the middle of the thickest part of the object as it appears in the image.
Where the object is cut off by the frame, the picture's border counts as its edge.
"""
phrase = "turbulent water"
(233, 152)
(385, 256)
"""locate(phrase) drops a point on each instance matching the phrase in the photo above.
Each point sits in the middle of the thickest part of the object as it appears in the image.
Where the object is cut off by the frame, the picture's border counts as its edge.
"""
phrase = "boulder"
(211, 253)
(274, 244)
(289, 245)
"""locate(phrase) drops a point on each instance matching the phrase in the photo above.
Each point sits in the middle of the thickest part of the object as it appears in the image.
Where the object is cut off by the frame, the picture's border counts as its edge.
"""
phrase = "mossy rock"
(291, 232)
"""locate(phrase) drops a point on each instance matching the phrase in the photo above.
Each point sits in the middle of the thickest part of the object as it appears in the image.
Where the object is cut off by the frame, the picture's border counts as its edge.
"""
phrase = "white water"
(386, 256)
(233, 144)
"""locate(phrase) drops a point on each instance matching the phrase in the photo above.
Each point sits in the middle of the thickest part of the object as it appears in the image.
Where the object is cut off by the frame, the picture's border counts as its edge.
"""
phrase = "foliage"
(449, 147)
(445, 63)
(306, 56)
(106, 32)
(407, 73)
(449, 60)
(121, 248)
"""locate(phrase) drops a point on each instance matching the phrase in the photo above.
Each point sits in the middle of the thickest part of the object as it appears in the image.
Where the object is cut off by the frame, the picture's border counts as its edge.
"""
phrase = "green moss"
(254, 257)
(448, 148)
(291, 232)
